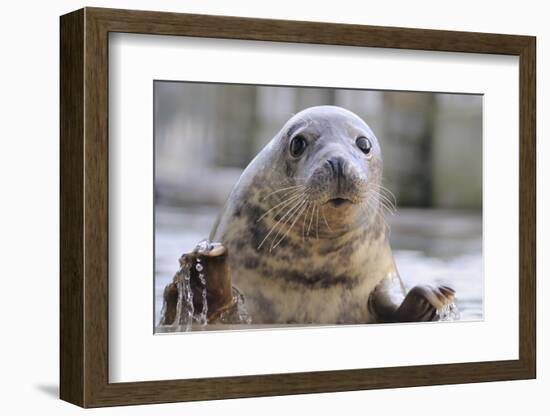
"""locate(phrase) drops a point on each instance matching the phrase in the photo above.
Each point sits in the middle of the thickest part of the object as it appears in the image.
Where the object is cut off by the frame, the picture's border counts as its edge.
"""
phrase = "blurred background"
(206, 134)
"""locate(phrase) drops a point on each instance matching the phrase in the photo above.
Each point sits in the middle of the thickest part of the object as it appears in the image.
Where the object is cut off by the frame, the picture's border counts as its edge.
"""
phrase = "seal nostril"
(332, 167)
(337, 166)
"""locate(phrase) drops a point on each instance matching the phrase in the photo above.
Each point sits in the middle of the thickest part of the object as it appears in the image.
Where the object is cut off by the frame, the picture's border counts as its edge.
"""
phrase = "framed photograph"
(255, 207)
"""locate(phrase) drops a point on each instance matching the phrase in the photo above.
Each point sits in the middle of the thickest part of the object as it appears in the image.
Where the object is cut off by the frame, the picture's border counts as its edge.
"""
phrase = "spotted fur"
(323, 270)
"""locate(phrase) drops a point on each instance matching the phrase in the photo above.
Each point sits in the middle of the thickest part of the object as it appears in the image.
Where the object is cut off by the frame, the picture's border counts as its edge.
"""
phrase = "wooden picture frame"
(84, 207)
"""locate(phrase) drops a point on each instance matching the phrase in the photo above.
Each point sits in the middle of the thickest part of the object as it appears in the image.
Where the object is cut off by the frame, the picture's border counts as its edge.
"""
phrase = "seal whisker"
(311, 219)
(387, 204)
(384, 196)
(283, 189)
(384, 201)
(383, 209)
(372, 204)
(317, 222)
(387, 193)
(286, 218)
(304, 224)
(295, 210)
(278, 222)
(282, 204)
(382, 187)
(325, 218)
(290, 228)
(370, 207)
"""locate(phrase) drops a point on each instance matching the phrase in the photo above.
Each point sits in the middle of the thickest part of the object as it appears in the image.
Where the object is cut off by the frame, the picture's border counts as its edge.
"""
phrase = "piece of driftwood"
(210, 259)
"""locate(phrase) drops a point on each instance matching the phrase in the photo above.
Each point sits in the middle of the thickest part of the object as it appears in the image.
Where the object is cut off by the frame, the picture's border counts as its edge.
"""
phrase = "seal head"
(334, 159)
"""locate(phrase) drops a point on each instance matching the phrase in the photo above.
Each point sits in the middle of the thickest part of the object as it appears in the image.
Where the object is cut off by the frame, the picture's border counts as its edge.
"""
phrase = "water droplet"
(449, 312)
(203, 318)
(203, 246)
(202, 278)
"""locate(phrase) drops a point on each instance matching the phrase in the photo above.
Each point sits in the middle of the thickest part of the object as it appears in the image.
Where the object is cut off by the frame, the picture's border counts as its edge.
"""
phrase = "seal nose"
(337, 166)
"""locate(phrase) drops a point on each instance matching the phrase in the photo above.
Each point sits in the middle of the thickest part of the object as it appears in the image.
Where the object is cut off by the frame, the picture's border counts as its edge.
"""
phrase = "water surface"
(430, 247)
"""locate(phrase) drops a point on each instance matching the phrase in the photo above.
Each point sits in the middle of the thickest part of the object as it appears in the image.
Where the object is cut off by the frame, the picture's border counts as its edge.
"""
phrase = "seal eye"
(298, 145)
(364, 144)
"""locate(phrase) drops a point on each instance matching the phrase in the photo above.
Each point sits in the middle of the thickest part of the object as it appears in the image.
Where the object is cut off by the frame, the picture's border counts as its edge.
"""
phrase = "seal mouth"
(338, 202)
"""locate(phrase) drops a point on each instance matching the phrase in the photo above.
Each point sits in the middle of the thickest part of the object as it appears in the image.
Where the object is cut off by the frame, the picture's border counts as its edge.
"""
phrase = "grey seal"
(306, 234)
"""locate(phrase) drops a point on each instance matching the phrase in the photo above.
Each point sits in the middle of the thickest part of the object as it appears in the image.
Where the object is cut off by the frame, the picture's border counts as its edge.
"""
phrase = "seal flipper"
(423, 302)
(386, 298)
(388, 302)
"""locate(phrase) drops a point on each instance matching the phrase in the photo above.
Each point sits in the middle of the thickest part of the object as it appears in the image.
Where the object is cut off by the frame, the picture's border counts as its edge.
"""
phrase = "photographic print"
(285, 206)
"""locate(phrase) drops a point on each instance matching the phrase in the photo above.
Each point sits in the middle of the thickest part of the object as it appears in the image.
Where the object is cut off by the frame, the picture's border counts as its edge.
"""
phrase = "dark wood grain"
(527, 209)
(71, 100)
(162, 23)
(84, 207)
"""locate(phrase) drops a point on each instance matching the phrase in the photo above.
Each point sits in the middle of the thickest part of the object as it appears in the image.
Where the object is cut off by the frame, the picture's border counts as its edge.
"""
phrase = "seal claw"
(423, 302)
